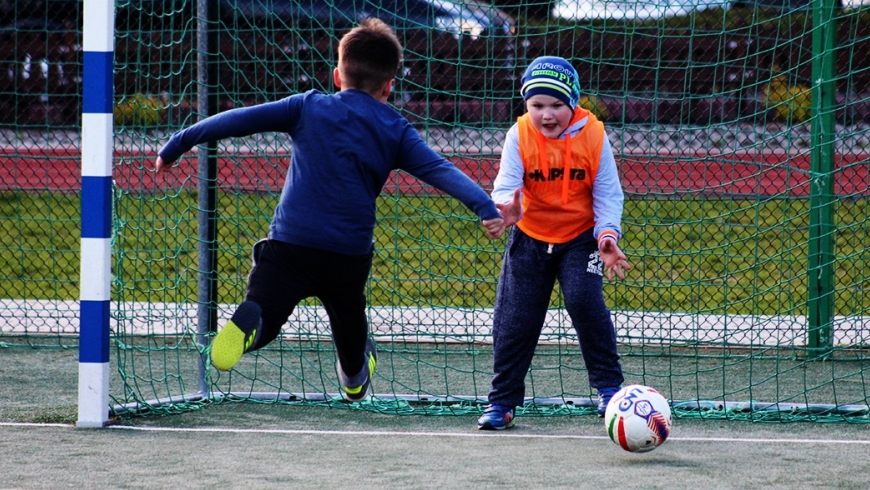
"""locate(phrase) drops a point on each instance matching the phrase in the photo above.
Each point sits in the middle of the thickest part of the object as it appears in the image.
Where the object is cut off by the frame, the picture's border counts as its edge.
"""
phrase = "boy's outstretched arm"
(613, 258)
(243, 121)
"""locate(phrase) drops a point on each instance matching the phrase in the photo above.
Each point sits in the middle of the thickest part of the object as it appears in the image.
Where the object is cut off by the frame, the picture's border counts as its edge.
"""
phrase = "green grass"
(39, 245)
(704, 255)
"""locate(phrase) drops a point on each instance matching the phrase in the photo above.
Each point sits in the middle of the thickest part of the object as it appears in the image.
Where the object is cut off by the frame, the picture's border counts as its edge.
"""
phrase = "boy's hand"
(161, 166)
(494, 227)
(613, 258)
(512, 210)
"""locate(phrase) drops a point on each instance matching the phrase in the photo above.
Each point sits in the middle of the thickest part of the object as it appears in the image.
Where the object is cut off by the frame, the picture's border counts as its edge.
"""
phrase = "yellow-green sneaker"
(238, 336)
(355, 388)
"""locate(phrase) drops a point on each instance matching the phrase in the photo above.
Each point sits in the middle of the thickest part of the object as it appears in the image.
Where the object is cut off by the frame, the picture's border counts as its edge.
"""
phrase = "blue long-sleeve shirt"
(344, 147)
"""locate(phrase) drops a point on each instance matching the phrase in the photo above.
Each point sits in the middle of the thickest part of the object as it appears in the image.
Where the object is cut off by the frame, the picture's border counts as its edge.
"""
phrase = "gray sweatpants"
(528, 277)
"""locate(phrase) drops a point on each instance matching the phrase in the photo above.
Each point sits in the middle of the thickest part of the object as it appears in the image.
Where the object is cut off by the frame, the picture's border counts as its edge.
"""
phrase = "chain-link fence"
(746, 212)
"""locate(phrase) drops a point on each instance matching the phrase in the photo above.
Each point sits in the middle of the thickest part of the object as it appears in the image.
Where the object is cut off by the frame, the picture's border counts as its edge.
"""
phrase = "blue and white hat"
(553, 76)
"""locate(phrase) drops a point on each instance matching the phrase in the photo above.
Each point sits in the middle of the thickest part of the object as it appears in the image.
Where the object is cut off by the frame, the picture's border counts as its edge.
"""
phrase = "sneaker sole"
(355, 397)
(372, 364)
(228, 347)
(488, 426)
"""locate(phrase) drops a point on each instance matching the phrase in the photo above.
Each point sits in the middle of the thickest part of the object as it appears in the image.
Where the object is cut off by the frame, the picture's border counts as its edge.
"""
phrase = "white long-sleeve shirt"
(607, 196)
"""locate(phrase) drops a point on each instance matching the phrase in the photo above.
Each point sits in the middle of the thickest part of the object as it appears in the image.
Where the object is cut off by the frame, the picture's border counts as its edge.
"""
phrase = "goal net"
(739, 130)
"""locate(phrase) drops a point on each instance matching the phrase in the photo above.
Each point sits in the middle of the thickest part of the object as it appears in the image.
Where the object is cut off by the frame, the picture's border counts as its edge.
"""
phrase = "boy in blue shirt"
(320, 240)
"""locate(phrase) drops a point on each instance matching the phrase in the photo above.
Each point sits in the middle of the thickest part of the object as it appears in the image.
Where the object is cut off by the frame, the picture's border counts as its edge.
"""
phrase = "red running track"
(735, 174)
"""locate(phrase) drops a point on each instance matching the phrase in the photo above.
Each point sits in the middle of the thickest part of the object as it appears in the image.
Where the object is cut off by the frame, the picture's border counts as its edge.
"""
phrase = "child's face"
(549, 115)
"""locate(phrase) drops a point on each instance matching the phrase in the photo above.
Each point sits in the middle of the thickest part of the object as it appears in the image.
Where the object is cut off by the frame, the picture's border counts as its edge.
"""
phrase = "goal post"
(96, 211)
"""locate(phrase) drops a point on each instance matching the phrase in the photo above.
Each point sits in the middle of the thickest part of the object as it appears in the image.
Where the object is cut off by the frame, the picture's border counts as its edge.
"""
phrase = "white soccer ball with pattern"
(638, 419)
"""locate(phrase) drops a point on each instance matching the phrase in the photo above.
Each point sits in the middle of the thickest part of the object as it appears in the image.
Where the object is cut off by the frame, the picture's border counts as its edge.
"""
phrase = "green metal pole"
(820, 275)
(207, 98)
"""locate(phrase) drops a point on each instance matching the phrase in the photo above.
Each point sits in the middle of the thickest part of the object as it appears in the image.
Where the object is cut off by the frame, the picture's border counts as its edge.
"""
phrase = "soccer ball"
(638, 418)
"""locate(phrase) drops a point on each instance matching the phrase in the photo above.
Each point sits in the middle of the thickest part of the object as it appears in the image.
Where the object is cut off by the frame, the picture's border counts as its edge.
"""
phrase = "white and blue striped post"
(96, 201)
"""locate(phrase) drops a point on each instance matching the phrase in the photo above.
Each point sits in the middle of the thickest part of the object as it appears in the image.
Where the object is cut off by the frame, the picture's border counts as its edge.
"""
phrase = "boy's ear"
(336, 78)
(388, 87)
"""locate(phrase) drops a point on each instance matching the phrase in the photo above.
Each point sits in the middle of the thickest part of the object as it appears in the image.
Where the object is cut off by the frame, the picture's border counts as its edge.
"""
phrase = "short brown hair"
(369, 55)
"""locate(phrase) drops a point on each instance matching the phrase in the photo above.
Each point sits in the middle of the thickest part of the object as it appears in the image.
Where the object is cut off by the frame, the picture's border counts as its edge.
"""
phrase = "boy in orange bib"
(559, 184)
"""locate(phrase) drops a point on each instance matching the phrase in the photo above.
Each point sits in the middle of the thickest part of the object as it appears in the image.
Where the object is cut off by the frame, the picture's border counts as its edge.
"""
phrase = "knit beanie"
(553, 76)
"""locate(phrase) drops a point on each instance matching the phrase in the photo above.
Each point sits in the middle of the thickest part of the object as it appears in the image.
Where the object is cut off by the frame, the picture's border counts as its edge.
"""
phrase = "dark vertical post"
(822, 233)
(207, 105)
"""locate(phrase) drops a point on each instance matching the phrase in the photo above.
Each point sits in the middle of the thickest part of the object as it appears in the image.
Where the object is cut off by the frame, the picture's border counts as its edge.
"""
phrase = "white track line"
(414, 324)
(228, 430)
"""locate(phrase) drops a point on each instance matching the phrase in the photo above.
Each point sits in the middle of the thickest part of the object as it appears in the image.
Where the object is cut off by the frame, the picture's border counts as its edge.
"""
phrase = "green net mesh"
(730, 219)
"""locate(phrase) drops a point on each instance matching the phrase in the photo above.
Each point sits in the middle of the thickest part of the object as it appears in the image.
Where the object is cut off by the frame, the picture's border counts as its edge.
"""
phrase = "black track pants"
(284, 274)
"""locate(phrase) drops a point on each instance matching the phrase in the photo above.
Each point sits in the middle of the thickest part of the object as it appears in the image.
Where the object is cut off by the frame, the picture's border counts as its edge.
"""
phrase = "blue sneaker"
(604, 396)
(238, 336)
(355, 388)
(496, 417)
